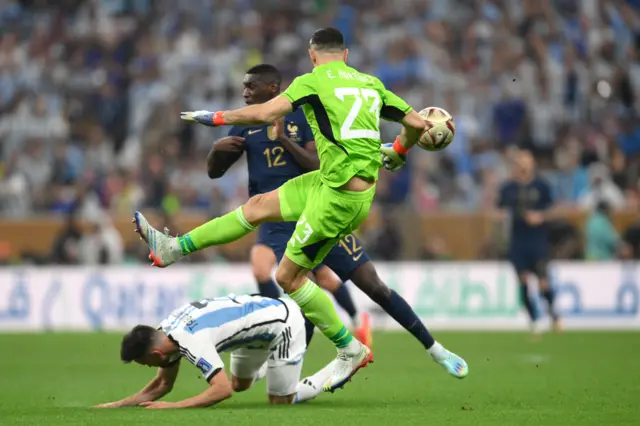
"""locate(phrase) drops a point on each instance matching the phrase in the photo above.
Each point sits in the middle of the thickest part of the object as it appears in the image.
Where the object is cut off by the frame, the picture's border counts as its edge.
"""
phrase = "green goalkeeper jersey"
(343, 107)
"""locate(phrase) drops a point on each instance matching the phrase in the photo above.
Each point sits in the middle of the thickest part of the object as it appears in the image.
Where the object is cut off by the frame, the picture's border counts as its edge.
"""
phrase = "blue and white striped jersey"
(207, 327)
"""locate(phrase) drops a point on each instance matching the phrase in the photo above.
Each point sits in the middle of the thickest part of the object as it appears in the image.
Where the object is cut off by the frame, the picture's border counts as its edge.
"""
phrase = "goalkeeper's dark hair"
(327, 39)
(267, 72)
(137, 343)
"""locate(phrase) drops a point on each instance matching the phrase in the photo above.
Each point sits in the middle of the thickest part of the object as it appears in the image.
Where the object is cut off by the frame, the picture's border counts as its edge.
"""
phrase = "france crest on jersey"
(270, 164)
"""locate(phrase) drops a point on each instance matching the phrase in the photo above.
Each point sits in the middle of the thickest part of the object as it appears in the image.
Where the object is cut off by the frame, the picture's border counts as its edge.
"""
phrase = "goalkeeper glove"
(208, 118)
(393, 155)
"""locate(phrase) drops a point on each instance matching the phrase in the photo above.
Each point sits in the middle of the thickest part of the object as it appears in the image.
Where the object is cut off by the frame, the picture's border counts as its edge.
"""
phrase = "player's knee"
(262, 208)
(285, 279)
(281, 400)
(240, 385)
(254, 210)
(289, 280)
(328, 279)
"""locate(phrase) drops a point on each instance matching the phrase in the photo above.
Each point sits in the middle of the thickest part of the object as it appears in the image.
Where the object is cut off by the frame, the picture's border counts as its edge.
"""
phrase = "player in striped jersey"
(265, 337)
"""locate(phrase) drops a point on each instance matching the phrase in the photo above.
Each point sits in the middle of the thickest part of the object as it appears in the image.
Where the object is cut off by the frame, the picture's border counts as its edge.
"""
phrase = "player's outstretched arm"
(219, 390)
(247, 116)
(259, 113)
(160, 386)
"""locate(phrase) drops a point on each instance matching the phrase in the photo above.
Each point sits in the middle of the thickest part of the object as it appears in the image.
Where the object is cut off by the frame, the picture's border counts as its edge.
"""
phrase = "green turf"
(571, 379)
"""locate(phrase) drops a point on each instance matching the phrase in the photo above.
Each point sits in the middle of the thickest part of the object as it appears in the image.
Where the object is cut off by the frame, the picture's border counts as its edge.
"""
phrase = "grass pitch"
(571, 379)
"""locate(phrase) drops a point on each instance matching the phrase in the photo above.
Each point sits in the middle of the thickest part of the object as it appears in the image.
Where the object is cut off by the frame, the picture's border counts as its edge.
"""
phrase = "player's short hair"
(137, 343)
(268, 72)
(327, 39)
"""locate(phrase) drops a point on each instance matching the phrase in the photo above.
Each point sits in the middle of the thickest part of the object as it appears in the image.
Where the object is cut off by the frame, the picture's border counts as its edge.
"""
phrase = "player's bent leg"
(290, 276)
(166, 250)
(317, 307)
(281, 400)
(240, 385)
(247, 367)
(330, 281)
(285, 361)
(366, 278)
(263, 259)
(327, 279)
(527, 301)
(263, 208)
(548, 292)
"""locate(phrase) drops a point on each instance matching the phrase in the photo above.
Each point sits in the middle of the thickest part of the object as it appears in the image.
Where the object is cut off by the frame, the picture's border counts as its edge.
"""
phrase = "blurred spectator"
(66, 247)
(602, 239)
(632, 241)
(565, 240)
(602, 189)
(90, 94)
(102, 243)
(5, 253)
(435, 248)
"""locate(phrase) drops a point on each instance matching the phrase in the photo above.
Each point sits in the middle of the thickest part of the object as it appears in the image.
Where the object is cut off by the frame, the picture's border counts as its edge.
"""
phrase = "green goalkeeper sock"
(317, 306)
(221, 230)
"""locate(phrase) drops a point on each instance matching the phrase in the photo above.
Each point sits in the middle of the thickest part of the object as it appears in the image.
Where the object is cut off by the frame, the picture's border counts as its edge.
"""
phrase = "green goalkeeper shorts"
(323, 214)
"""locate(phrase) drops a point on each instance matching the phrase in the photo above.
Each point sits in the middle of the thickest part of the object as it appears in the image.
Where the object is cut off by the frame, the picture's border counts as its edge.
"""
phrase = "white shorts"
(283, 357)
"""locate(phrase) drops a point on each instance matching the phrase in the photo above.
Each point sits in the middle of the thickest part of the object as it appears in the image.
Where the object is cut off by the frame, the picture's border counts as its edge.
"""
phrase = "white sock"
(311, 387)
(438, 352)
(353, 348)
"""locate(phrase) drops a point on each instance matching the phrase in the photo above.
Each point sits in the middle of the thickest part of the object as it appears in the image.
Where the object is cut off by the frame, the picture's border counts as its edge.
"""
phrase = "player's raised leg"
(318, 308)
(366, 278)
(166, 249)
(323, 214)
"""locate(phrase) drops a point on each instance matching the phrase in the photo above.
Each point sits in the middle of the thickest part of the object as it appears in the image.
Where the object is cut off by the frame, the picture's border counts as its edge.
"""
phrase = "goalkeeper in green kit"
(343, 108)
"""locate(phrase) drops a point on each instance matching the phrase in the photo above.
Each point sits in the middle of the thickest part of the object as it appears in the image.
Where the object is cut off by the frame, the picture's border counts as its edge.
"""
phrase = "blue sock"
(528, 302)
(343, 297)
(550, 296)
(399, 310)
(308, 326)
(268, 289)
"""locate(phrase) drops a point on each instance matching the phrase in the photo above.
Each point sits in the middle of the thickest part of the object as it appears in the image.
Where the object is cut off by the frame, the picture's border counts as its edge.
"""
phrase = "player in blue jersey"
(275, 158)
(526, 198)
(266, 338)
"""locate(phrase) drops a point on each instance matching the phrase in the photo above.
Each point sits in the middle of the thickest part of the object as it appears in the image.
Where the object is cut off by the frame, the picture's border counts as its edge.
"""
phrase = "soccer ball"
(440, 129)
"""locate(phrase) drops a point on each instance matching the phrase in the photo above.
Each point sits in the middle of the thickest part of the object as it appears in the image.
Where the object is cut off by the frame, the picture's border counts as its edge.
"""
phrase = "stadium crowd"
(90, 95)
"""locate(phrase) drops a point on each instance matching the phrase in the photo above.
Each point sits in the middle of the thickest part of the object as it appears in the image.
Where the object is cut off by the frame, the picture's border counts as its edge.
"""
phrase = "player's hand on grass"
(159, 404)
(392, 160)
(108, 405)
